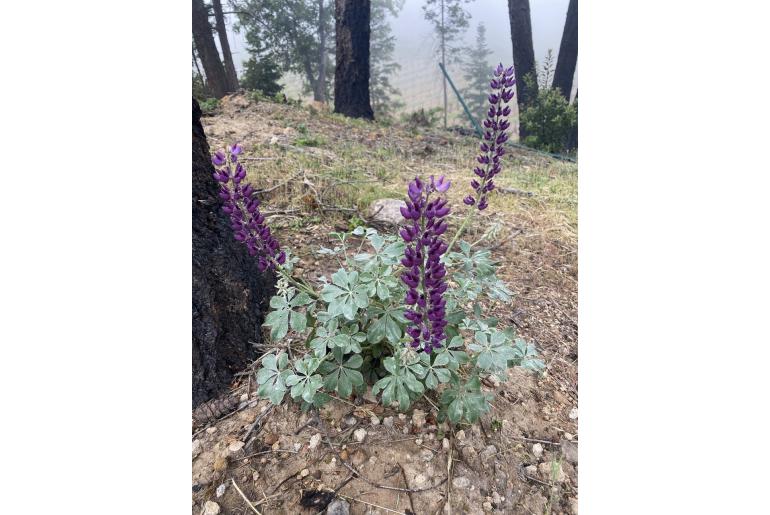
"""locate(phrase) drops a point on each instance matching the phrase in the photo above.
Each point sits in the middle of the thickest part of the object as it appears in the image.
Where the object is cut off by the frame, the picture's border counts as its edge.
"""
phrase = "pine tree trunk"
(351, 75)
(443, 57)
(319, 90)
(229, 293)
(230, 73)
(207, 50)
(568, 52)
(523, 51)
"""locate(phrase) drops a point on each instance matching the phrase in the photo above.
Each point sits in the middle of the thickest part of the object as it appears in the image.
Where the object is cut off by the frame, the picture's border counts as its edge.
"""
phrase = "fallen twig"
(248, 502)
(514, 191)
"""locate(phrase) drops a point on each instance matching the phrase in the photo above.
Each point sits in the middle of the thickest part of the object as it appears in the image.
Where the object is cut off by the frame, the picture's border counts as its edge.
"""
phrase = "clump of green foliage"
(209, 105)
(352, 332)
(549, 121)
(262, 75)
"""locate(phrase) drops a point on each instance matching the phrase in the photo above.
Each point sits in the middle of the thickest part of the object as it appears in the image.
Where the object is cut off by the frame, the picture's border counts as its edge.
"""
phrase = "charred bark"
(207, 50)
(351, 75)
(568, 52)
(229, 293)
(523, 51)
(230, 73)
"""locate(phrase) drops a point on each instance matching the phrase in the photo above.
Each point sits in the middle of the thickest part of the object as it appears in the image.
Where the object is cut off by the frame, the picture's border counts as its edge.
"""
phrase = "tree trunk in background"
(207, 50)
(229, 293)
(319, 88)
(568, 52)
(523, 52)
(443, 57)
(232, 76)
(351, 76)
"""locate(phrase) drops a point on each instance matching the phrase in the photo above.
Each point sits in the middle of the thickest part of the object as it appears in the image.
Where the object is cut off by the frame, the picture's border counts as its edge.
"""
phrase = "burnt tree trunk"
(523, 51)
(207, 50)
(229, 294)
(568, 52)
(351, 75)
(232, 76)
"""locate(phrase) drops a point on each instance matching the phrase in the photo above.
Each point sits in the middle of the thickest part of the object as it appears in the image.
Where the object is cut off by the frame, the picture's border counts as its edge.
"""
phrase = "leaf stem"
(460, 230)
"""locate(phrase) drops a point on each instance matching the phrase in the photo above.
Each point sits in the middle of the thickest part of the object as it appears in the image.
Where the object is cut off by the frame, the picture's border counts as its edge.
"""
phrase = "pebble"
(487, 506)
(569, 436)
(196, 448)
(315, 440)
(418, 418)
(221, 490)
(375, 420)
(338, 507)
(460, 435)
(445, 444)
(461, 482)
(235, 447)
(531, 470)
(537, 450)
(244, 397)
(570, 451)
(359, 434)
(401, 417)
(418, 441)
(270, 438)
(426, 455)
(210, 508)
(304, 473)
(419, 480)
(573, 413)
(211, 430)
(387, 422)
(276, 446)
(351, 420)
(297, 446)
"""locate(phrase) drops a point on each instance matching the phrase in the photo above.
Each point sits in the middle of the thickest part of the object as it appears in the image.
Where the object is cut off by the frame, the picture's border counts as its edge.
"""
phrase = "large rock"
(387, 210)
(229, 293)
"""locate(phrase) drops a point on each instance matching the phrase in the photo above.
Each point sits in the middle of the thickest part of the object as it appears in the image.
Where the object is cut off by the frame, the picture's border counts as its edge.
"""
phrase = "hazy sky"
(419, 79)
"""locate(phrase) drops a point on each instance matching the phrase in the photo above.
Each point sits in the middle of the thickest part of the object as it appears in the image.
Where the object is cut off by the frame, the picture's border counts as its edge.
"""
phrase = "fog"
(419, 79)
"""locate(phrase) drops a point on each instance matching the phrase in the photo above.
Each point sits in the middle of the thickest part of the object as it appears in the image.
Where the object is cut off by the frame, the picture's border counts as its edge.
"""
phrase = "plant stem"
(460, 230)
(301, 285)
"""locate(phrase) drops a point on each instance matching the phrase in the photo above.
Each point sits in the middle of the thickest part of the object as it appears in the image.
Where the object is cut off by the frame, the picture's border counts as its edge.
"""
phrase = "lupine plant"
(403, 312)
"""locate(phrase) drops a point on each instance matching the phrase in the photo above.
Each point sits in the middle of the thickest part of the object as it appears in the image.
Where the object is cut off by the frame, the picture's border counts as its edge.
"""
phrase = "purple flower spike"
(242, 206)
(424, 273)
(495, 137)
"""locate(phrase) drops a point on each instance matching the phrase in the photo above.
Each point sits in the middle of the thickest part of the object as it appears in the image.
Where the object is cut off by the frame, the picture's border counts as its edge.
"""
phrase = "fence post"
(462, 102)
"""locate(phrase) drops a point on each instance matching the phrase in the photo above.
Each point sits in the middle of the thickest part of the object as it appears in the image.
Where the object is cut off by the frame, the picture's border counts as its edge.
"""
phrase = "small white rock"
(445, 444)
(210, 508)
(375, 420)
(418, 441)
(537, 450)
(235, 447)
(297, 446)
(426, 455)
(304, 473)
(487, 506)
(569, 436)
(244, 397)
(387, 422)
(221, 490)
(460, 435)
(418, 418)
(420, 479)
(211, 430)
(461, 482)
(401, 417)
(573, 413)
(359, 434)
(197, 447)
(315, 440)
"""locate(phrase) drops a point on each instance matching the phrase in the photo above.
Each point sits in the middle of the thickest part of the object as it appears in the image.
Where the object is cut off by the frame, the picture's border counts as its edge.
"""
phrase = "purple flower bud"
(442, 184)
(469, 200)
(218, 159)
(499, 70)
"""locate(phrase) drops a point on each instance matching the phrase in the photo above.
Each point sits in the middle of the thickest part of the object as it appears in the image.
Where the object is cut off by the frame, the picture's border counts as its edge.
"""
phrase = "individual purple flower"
(242, 205)
(424, 273)
(495, 137)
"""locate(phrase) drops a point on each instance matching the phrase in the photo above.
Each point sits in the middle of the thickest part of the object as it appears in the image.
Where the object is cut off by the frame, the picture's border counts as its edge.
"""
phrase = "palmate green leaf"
(435, 367)
(345, 295)
(341, 376)
(388, 326)
(493, 351)
(271, 377)
(464, 401)
(455, 352)
(278, 321)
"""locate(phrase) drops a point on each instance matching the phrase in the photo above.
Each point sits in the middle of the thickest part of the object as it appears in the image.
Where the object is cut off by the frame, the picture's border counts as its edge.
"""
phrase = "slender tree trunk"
(523, 51)
(207, 50)
(351, 75)
(197, 68)
(319, 91)
(568, 52)
(232, 76)
(443, 57)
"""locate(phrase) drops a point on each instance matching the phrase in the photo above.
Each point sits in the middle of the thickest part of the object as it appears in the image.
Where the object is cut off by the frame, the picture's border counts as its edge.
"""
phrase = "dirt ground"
(322, 171)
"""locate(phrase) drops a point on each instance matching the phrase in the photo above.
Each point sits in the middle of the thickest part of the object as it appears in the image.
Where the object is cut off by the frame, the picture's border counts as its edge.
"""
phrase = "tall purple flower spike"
(494, 137)
(424, 274)
(242, 204)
